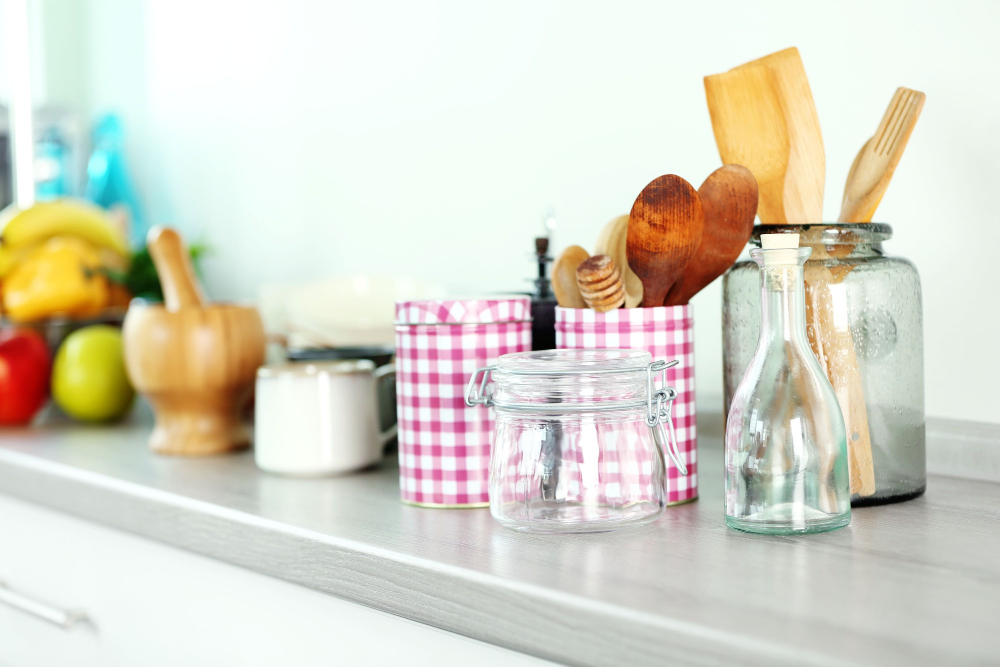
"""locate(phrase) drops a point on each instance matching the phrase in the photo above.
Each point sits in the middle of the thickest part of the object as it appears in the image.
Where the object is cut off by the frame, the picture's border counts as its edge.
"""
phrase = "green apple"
(88, 377)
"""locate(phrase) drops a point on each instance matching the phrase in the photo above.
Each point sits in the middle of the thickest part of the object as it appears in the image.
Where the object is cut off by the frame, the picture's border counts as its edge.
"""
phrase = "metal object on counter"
(876, 298)
(64, 618)
(580, 438)
(543, 301)
(319, 418)
(444, 446)
(380, 355)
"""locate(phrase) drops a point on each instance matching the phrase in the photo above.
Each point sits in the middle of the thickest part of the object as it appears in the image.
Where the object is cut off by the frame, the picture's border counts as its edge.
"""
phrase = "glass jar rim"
(573, 362)
(573, 380)
(828, 233)
(576, 381)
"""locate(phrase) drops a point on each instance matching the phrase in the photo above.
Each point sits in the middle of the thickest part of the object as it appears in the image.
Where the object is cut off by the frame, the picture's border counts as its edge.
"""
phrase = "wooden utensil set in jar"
(677, 240)
(764, 117)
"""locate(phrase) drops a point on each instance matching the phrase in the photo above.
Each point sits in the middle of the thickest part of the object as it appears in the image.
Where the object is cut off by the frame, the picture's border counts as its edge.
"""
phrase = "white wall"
(314, 138)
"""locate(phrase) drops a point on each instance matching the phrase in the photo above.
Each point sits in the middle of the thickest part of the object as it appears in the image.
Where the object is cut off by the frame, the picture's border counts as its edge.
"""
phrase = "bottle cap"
(781, 247)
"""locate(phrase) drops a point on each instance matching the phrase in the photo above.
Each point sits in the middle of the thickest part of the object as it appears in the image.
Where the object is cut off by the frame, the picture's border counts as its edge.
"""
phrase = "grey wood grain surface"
(913, 583)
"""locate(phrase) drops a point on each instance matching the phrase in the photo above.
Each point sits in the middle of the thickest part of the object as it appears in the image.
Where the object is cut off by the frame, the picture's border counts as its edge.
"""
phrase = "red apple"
(25, 366)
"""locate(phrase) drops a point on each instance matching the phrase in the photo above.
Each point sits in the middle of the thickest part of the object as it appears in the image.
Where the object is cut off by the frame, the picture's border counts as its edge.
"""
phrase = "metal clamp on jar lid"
(568, 381)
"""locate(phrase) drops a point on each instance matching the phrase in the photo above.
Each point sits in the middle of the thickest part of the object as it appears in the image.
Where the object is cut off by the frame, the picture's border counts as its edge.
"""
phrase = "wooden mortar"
(194, 361)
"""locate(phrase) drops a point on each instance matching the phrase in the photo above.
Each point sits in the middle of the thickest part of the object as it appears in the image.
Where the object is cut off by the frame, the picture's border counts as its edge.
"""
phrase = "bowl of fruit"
(67, 275)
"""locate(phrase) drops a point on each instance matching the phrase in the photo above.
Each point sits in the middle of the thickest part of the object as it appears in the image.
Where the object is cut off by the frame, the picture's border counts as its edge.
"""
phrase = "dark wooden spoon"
(664, 230)
(729, 199)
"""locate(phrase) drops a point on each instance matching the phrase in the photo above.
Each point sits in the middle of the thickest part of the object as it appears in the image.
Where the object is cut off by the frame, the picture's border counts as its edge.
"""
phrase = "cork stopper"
(781, 247)
(600, 283)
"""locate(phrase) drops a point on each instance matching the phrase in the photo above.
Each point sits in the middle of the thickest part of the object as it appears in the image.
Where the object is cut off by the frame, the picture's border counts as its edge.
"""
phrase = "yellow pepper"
(63, 276)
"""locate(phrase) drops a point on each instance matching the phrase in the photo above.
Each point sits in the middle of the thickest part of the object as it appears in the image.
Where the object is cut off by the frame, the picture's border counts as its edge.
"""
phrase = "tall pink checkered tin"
(666, 333)
(444, 446)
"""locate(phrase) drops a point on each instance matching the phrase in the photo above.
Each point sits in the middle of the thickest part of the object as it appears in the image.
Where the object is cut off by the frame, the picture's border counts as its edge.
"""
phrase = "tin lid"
(464, 311)
(380, 354)
(297, 369)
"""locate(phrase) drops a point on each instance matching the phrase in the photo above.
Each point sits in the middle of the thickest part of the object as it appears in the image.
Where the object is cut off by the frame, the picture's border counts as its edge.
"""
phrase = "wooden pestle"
(173, 265)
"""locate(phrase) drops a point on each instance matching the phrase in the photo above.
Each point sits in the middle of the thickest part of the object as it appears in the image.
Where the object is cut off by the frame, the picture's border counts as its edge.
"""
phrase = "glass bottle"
(786, 448)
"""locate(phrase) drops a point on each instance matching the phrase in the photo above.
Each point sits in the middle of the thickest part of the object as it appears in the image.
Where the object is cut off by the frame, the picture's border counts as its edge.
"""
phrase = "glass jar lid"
(571, 380)
(569, 362)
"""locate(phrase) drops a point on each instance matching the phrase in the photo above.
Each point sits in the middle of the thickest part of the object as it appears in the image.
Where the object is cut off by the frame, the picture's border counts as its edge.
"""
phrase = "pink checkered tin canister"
(666, 333)
(444, 446)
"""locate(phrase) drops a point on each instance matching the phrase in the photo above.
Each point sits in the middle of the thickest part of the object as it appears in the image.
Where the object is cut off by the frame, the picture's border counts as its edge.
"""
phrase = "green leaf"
(141, 278)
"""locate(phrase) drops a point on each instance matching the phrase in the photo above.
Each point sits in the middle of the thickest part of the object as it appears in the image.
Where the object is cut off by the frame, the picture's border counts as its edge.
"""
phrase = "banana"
(20, 229)
(10, 257)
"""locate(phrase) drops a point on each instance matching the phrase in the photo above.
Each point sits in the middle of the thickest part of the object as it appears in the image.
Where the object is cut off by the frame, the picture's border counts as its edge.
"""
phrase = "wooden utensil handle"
(173, 264)
(834, 347)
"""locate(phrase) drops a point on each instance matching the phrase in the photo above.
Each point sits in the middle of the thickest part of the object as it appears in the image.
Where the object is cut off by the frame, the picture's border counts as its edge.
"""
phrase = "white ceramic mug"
(319, 418)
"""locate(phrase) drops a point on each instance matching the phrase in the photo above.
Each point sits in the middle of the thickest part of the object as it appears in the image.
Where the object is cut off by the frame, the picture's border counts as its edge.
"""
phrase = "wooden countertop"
(912, 582)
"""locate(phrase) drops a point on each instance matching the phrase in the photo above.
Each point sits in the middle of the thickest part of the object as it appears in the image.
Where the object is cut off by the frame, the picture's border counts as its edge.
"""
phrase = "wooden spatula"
(664, 231)
(750, 130)
(829, 332)
(729, 200)
(764, 118)
(873, 167)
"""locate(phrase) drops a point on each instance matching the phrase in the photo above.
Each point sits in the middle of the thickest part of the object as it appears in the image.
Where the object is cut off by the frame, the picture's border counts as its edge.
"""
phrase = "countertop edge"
(443, 596)
(537, 620)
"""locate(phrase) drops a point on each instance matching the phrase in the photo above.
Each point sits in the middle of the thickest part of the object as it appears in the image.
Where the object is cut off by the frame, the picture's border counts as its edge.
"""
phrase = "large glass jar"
(877, 299)
(580, 438)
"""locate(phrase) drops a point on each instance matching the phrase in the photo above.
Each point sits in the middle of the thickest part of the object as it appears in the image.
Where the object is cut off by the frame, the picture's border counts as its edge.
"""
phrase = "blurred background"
(307, 139)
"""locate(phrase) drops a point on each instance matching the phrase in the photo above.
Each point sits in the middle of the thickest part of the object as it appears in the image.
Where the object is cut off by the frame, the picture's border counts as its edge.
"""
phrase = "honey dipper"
(601, 283)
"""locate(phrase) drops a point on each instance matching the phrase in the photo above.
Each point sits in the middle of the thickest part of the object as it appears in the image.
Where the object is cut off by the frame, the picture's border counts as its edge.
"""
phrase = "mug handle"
(381, 374)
